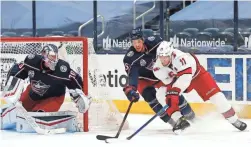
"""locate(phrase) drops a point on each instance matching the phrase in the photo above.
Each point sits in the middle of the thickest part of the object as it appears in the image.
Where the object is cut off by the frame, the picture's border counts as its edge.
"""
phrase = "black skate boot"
(186, 109)
(240, 125)
(190, 116)
(181, 125)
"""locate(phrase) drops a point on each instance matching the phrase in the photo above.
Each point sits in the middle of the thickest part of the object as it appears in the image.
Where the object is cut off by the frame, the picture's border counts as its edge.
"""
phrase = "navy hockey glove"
(130, 92)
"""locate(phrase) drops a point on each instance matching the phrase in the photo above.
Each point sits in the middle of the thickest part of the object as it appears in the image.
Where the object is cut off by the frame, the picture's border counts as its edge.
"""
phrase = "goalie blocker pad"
(49, 120)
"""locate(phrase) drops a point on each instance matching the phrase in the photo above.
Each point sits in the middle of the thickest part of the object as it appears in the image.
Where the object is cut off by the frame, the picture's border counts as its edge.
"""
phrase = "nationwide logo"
(247, 42)
(110, 79)
(109, 43)
(196, 43)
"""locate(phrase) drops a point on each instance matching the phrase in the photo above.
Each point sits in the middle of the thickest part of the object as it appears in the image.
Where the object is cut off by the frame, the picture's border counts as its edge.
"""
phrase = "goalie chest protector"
(45, 83)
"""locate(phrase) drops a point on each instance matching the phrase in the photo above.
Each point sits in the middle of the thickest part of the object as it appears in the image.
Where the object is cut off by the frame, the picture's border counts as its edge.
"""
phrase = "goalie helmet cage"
(79, 53)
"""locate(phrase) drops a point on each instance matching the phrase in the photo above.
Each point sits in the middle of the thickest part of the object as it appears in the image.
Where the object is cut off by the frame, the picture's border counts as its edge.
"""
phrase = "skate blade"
(184, 131)
(178, 132)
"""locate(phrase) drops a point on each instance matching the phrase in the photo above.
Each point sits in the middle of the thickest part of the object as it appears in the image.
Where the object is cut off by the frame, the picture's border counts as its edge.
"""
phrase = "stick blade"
(58, 131)
(103, 137)
(51, 132)
(116, 140)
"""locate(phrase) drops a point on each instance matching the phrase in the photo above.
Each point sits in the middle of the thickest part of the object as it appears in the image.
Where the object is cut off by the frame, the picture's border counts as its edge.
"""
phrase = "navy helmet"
(136, 34)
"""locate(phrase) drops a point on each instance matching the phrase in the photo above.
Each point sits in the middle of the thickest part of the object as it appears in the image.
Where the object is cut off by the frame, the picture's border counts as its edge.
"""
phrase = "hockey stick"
(142, 127)
(103, 137)
(108, 140)
(150, 120)
(33, 123)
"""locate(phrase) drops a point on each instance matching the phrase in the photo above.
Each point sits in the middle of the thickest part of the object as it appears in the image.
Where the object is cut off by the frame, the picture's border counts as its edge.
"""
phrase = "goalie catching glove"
(82, 101)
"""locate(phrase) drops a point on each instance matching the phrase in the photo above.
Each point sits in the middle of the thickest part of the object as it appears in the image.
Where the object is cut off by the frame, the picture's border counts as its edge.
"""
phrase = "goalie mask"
(50, 54)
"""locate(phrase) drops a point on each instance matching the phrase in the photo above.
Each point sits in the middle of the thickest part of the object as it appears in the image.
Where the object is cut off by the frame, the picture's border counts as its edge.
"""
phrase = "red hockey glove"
(172, 99)
(131, 94)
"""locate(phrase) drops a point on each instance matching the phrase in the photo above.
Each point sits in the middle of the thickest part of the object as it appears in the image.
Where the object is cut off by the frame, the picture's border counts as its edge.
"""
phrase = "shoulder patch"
(31, 73)
(63, 68)
(31, 56)
(130, 54)
(151, 38)
(142, 62)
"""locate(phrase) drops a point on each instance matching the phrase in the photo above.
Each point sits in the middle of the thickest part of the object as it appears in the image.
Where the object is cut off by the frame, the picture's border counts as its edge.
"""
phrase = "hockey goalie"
(181, 72)
(48, 77)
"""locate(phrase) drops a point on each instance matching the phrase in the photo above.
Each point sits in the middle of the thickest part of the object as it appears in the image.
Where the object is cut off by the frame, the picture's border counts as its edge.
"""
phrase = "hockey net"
(79, 53)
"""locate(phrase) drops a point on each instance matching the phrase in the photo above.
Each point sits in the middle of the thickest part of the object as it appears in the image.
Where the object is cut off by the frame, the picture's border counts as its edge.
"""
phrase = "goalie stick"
(33, 123)
(108, 140)
(104, 137)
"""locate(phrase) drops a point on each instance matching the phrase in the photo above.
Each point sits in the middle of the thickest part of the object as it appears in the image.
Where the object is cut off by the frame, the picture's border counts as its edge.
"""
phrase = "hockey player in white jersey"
(181, 72)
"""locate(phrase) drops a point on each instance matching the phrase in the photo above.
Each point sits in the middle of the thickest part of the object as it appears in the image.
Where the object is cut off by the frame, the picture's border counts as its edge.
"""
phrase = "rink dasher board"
(232, 73)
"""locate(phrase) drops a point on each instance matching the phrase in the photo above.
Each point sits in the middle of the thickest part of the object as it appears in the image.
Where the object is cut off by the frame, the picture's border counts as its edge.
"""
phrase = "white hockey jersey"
(183, 68)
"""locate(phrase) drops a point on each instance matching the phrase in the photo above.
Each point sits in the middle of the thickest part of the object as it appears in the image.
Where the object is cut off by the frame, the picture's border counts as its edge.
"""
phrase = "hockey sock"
(185, 108)
(149, 94)
(156, 107)
(223, 106)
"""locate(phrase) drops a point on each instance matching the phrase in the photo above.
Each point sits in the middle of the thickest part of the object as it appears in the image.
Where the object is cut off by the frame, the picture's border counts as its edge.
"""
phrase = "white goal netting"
(103, 114)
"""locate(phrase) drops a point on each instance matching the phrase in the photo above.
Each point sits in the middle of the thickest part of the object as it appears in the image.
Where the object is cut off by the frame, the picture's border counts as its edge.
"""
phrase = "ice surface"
(209, 131)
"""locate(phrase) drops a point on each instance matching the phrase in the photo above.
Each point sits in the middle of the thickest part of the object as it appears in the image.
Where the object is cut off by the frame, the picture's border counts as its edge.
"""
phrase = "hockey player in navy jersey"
(49, 77)
(138, 62)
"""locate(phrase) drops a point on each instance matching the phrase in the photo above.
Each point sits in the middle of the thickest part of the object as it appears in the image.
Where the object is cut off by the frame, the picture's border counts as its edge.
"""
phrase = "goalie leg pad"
(49, 120)
(8, 117)
(149, 95)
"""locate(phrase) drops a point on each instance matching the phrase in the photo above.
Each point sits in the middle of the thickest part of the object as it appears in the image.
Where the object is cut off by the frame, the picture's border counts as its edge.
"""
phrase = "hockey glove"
(82, 101)
(172, 99)
(131, 94)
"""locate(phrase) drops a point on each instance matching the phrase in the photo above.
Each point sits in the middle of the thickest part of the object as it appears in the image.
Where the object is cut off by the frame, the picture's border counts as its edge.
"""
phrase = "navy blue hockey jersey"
(46, 83)
(139, 65)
